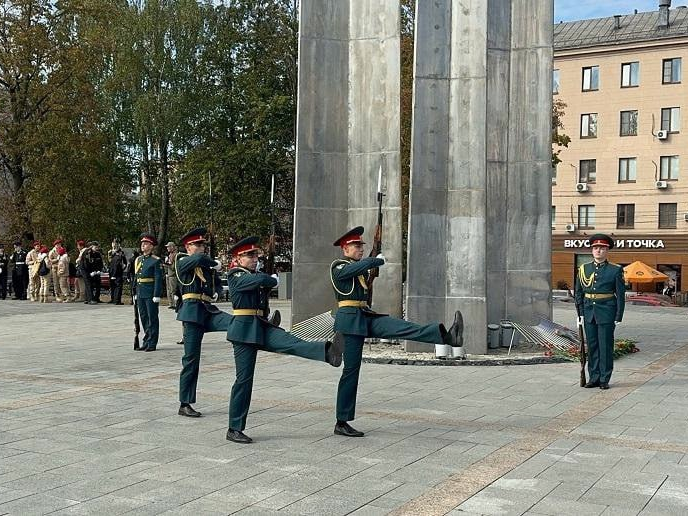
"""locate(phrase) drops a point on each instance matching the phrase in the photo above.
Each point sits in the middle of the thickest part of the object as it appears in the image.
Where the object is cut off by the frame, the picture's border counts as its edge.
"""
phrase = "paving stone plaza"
(89, 426)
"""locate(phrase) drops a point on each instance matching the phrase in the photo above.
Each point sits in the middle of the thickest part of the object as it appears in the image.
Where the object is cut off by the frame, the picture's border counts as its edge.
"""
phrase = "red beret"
(58, 241)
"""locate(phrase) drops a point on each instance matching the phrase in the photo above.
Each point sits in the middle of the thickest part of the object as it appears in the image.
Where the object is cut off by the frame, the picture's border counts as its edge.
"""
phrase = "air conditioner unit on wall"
(582, 187)
(685, 217)
(572, 227)
(661, 184)
(662, 134)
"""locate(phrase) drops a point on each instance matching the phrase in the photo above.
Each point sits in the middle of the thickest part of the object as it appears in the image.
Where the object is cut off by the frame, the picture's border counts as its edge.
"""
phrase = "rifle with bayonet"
(581, 336)
(276, 317)
(377, 239)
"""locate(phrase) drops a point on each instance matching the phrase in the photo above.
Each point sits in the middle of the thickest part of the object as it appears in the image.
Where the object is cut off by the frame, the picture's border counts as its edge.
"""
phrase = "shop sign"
(628, 243)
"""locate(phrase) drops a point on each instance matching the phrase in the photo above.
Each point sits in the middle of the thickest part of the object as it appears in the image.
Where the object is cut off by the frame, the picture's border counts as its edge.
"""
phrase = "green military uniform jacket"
(148, 275)
(600, 292)
(196, 277)
(244, 292)
(349, 280)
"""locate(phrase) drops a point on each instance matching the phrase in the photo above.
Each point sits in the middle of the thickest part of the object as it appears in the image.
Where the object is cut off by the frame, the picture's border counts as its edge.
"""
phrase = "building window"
(671, 70)
(588, 125)
(625, 216)
(667, 215)
(671, 119)
(629, 123)
(591, 78)
(586, 216)
(555, 82)
(627, 169)
(668, 168)
(630, 74)
(587, 171)
(554, 215)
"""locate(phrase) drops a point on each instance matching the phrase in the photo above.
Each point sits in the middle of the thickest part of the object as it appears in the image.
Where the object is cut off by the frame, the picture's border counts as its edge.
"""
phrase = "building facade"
(625, 171)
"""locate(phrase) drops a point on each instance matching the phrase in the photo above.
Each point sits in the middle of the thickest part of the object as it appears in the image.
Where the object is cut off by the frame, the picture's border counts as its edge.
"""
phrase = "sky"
(568, 10)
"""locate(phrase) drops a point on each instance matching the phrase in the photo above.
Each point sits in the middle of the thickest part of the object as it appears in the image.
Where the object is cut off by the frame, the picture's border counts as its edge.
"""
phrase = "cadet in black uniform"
(600, 302)
(357, 321)
(20, 272)
(249, 331)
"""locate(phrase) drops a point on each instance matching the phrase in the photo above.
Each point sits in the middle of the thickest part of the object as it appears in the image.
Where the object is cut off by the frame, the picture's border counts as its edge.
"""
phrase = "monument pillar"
(479, 214)
(348, 124)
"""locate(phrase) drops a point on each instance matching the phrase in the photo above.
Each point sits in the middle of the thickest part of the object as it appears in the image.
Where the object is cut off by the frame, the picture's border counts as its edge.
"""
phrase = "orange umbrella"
(639, 272)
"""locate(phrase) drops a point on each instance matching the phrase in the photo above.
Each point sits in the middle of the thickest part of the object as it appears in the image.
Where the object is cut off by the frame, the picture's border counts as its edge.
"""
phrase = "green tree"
(559, 139)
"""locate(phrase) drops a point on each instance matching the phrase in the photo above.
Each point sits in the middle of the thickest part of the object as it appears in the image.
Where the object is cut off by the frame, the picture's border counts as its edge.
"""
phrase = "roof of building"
(633, 28)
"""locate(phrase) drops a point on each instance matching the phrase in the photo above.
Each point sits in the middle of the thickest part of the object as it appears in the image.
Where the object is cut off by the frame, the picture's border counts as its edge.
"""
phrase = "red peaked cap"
(353, 236)
(245, 245)
(193, 236)
(147, 237)
(601, 239)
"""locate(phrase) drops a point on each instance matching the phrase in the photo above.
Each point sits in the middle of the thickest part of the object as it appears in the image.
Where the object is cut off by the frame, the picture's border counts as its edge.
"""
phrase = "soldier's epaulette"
(614, 264)
(156, 257)
(235, 270)
(339, 263)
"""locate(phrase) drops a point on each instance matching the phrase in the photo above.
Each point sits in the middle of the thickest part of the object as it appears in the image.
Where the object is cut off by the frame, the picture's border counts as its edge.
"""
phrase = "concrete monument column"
(347, 127)
(479, 215)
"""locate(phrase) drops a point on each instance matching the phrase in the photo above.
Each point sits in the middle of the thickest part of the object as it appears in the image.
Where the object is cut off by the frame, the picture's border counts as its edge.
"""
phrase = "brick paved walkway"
(87, 425)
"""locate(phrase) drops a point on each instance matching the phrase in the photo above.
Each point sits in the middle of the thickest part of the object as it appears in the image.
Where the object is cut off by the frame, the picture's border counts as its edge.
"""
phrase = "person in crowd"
(79, 282)
(118, 264)
(54, 257)
(63, 274)
(170, 273)
(33, 263)
(92, 265)
(4, 262)
(20, 272)
(44, 273)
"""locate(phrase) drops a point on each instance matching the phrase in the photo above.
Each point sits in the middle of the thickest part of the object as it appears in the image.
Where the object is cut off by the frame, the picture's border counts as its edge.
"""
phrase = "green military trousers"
(276, 340)
(383, 327)
(600, 340)
(148, 312)
(191, 361)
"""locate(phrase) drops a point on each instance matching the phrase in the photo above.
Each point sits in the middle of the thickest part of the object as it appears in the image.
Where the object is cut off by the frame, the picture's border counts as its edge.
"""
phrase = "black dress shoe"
(188, 411)
(150, 349)
(237, 436)
(141, 349)
(604, 386)
(345, 429)
(590, 385)
(334, 350)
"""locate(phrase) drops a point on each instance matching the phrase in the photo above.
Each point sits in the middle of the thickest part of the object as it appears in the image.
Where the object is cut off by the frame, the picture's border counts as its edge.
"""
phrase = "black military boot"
(455, 336)
(334, 350)
(237, 436)
(187, 410)
(275, 318)
(345, 429)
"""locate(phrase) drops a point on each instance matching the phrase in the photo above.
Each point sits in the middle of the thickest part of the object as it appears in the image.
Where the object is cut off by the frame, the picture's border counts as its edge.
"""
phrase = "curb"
(536, 360)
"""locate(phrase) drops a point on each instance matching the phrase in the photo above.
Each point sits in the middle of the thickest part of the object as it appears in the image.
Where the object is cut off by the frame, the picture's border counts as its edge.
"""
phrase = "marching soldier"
(357, 321)
(600, 302)
(33, 263)
(249, 331)
(148, 278)
(3, 272)
(199, 287)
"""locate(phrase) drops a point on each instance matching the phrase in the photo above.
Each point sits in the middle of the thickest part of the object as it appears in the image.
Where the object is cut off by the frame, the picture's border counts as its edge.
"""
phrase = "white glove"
(616, 323)
(276, 279)
(581, 319)
(175, 298)
(99, 273)
(217, 266)
(215, 297)
(381, 257)
(156, 300)
(93, 274)
(135, 298)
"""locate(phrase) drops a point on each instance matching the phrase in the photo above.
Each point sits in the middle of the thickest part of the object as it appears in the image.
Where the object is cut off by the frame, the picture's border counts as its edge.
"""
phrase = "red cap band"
(245, 249)
(193, 239)
(600, 242)
(353, 239)
(147, 239)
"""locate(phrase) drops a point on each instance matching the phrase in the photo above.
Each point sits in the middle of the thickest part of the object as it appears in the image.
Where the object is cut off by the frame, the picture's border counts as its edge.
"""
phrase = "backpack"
(43, 270)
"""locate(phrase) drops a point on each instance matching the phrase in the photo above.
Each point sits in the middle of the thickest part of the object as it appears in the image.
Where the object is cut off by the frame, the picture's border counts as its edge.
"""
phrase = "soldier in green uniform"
(148, 281)
(600, 300)
(249, 331)
(199, 286)
(357, 321)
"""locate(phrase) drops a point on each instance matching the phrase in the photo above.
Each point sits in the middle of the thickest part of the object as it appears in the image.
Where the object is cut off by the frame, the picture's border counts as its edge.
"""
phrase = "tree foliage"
(559, 139)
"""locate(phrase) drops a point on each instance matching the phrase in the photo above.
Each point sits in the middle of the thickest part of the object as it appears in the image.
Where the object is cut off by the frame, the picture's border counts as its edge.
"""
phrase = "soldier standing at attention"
(357, 321)
(249, 331)
(118, 263)
(32, 263)
(3, 272)
(20, 272)
(199, 287)
(600, 302)
(148, 278)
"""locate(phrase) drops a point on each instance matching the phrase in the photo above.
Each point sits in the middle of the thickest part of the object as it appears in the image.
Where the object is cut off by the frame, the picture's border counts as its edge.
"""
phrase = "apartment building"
(625, 172)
